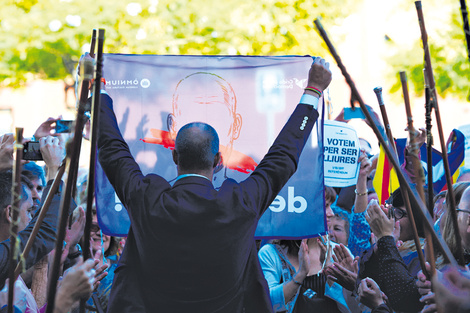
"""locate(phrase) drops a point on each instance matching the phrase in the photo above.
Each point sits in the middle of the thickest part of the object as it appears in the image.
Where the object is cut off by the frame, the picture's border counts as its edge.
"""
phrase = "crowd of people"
(191, 247)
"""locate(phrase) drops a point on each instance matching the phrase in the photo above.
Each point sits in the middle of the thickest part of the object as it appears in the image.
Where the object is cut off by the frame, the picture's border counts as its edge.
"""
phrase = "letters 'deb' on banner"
(247, 99)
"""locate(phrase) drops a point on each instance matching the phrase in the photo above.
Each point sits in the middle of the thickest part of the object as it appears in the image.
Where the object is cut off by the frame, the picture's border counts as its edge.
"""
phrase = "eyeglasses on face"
(460, 210)
(399, 213)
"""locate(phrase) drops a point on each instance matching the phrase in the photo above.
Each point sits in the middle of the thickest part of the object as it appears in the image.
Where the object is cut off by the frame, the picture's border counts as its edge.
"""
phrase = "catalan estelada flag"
(386, 181)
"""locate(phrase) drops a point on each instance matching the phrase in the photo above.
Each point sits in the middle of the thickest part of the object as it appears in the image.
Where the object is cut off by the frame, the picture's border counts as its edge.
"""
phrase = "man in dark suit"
(190, 247)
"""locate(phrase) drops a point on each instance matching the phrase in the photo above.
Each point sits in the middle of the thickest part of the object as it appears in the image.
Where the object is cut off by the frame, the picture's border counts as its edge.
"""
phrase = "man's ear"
(7, 212)
(217, 159)
(175, 156)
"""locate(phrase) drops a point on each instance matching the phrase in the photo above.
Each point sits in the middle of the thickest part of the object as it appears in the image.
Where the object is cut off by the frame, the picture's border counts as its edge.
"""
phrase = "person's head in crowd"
(37, 177)
(338, 228)
(207, 97)
(330, 198)
(462, 203)
(398, 205)
(464, 175)
(439, 205)
(81, 197)
(293, 246)
(366, 147)
(109, 245)
(196, 149)
(25, 208)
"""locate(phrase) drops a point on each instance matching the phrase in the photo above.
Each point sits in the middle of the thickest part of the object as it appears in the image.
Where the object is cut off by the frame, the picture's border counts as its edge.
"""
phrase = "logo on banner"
(127, 83)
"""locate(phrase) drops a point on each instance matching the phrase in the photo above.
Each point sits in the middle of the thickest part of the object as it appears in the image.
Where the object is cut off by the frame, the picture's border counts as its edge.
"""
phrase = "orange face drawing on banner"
(206, 97)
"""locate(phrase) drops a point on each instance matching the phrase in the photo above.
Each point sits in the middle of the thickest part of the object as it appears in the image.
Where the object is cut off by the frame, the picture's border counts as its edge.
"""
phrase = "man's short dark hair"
(196, 144)
(34, 171)
(6, 183)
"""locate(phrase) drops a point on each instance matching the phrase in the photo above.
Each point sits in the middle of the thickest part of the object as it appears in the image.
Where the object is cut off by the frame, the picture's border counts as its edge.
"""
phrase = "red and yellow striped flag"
(385, 179)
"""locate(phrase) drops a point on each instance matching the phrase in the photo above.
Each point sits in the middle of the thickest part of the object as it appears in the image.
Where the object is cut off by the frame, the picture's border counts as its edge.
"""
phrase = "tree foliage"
(449, 58)
(44, 39)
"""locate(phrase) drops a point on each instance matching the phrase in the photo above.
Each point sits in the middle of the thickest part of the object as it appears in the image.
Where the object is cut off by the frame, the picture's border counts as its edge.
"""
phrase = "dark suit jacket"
(191, 247)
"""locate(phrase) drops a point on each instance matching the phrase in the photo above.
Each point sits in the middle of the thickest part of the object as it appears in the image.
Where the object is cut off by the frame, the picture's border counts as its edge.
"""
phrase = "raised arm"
(360, 203)
(280, 163)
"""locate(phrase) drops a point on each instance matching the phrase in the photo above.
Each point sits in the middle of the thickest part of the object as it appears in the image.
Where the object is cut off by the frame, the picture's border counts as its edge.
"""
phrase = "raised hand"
(304, 261)
(319, 75)
(452, 291)
(47, 128)
(341, 275)
(342, 257)
(370, 293)
(53, 153)
(6, 151)
(379, 223)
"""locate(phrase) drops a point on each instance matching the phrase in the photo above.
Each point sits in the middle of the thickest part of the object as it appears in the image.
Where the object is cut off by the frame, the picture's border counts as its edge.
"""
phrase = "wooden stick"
(73, 153)
(401, 177)
(418, 172)
(429, 142)
(95, 110)
(93, 43)
(466, 28)
(388, 129)
(16, 191)
(432, 86)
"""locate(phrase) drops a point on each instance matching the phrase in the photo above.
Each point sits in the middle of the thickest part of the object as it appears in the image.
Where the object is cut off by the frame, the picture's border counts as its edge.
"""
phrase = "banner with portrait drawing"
(342, 150)
(247, 99)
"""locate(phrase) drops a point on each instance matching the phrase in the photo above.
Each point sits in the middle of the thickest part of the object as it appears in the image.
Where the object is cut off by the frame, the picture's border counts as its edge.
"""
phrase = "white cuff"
(309, 100)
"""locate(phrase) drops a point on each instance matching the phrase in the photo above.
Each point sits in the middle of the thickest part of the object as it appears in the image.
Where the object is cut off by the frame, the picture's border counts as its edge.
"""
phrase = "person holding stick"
(46, 237)
(190, 247)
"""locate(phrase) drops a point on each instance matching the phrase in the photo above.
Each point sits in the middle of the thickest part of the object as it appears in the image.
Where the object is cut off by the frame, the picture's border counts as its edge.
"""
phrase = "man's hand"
(365, 166)
(452, 291)
(379, 223)
(424, 289)
(304, 261)
(77, 284)
(424, 285)
(7, 142)
(319, 75)
(53, 152)
(370, 293)
(344, 269)
(46, 128)
(344, 258)
(341, 275)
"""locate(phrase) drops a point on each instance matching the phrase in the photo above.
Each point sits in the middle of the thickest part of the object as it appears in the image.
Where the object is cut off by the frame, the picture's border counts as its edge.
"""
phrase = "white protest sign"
(341, 152)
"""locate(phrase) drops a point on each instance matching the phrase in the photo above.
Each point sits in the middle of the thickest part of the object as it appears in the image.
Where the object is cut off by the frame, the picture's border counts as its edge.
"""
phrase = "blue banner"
(247, 99)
